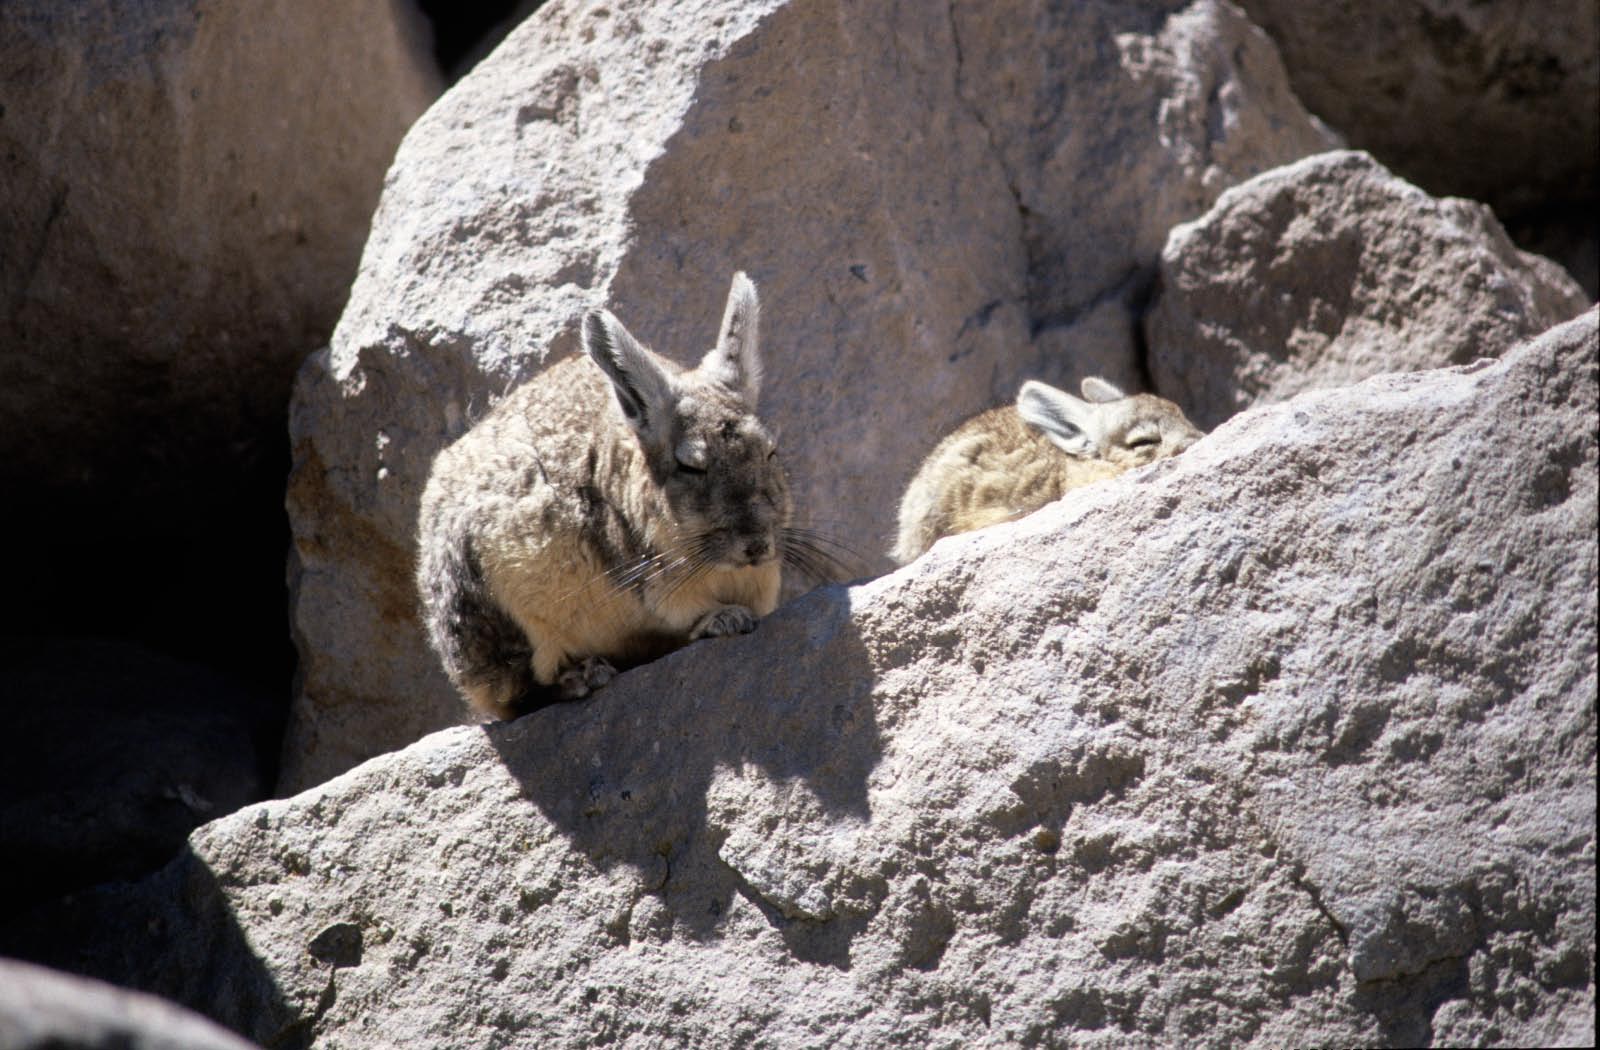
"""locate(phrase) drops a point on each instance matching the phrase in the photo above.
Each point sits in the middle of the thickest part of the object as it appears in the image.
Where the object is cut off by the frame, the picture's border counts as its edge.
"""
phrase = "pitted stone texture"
(1287, 741)
(1330, 270)
(636, 155)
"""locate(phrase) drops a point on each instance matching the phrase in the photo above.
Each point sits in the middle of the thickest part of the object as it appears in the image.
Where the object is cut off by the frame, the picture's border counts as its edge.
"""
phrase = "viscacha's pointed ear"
(643, 388)
(1099, 391)
(736, 360)
(1072, 425)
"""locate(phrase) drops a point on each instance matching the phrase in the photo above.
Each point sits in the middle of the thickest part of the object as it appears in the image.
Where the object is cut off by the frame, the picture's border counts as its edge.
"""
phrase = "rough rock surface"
(1287, 741)
(1490, 101)
(43, 1010)
(1496, 102)
(1330, 270)
(637, 154)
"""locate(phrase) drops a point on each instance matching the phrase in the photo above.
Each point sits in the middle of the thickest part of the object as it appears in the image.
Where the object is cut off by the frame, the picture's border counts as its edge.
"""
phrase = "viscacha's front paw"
(577, 682)
(721, 622)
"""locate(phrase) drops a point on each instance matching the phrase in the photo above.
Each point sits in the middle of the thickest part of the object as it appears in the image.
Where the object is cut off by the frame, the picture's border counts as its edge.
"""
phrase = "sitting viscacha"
(613, 508)
(1012, 460)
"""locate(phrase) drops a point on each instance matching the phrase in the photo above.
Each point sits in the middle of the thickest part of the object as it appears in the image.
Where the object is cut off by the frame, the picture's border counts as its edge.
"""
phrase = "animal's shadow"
(625, 774)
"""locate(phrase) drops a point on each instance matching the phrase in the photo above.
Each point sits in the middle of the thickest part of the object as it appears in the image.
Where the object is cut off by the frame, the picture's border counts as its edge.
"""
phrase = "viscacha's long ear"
(1099, 391)
(1073, 425)
(736, 360)
(644, 390)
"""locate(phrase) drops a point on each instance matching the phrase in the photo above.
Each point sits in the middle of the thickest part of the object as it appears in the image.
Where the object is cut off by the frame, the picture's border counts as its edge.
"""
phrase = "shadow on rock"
(770, 737)
(173, 935)
(111, 754)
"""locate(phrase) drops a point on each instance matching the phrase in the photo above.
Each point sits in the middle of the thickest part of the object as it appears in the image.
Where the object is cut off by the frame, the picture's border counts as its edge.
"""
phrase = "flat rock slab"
(1287, 741)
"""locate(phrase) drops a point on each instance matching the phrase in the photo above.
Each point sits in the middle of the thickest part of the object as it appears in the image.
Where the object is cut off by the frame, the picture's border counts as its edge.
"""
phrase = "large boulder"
(185, 186)
(44, 1010)
(1330, 270)
(934, 206)
(187, 209)
(1287, 741)
(1490, 101)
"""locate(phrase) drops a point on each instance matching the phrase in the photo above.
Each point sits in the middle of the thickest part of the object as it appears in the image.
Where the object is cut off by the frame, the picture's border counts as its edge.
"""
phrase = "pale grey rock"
(936, 202)
(1490, 101)
(1332, 269)
(1289, 740)
(41, 1009)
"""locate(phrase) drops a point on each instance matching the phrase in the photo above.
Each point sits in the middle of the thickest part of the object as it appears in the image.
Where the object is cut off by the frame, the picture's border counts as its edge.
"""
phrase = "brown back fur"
(997, 467)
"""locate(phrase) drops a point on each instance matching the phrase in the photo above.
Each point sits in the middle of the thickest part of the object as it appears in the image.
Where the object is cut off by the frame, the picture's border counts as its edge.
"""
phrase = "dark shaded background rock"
(1331, 270)
(113, 755)
(1497, 102)
(935, 203)
(464, 32)
(184, 190)
(44, 1010)
(1287, 741)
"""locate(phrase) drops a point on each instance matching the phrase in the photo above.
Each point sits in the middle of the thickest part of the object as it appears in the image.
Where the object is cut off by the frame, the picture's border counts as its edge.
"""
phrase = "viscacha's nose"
(757, 549)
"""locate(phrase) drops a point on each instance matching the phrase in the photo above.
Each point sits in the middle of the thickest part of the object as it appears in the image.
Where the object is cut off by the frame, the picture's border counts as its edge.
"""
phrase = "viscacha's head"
(1106, 424)
(715, 463)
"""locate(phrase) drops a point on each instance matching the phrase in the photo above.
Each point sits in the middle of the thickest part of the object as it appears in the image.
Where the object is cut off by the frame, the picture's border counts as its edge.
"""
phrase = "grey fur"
(600, 516)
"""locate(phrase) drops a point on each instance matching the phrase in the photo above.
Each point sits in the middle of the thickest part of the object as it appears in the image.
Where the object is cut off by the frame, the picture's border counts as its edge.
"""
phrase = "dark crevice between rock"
(1140, 303)
(155, 659)
(465, 31)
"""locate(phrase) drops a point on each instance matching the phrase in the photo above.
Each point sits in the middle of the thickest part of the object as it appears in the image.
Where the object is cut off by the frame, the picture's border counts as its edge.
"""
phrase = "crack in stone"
(988, 132)
(1297, 878)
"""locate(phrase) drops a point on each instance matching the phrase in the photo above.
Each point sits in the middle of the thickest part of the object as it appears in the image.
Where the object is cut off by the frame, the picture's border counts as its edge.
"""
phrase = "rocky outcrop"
(42, 1010)
(937, 202)
(1287, 741)
(1481, 100)
(1467, 99)
(1330, 270)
